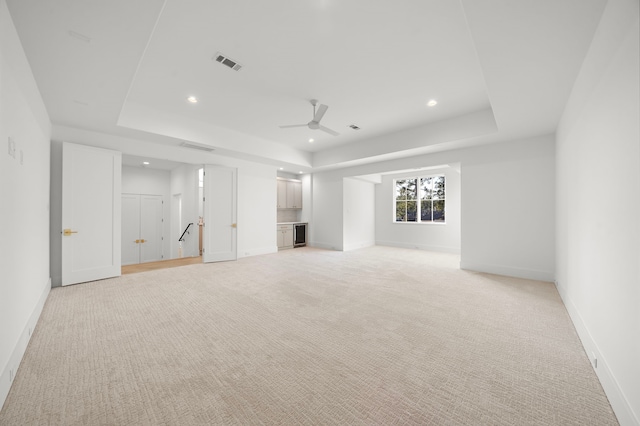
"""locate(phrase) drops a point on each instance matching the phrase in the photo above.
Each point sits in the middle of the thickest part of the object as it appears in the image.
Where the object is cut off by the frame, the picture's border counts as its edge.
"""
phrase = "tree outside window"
(406, 200)
(420, 199)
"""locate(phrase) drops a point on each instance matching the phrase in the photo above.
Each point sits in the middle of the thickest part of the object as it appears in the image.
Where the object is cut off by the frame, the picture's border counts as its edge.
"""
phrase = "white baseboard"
(426, 247)
(619, 402)
(258, 251)
(359, 245)
(9, 373)
(531, 274)
(326, 246)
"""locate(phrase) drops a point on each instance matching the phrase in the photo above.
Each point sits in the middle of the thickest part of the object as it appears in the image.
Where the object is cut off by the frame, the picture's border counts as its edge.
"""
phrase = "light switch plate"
(12, 147)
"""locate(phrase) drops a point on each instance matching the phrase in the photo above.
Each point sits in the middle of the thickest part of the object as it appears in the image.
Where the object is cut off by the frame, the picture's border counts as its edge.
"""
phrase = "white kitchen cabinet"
(284, 234)
(282, 194)
(289, 194)
(294, 195)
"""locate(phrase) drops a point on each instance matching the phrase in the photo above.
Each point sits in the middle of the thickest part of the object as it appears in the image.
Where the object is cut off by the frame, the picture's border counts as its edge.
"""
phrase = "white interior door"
(142, 222)
(130, 229)
(220, 214)
(91, 216)
(150, 228)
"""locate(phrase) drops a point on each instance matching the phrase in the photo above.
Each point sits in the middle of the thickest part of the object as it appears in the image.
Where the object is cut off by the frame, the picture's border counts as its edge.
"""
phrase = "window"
(420, 199)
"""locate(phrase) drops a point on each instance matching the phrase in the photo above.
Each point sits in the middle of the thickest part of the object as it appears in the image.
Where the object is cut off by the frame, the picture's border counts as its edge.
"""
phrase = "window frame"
(418, 200)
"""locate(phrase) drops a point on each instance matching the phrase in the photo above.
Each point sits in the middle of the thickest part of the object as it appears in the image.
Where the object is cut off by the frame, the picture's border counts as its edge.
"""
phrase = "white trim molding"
(510, 271)
(9, 373)
(618, 400)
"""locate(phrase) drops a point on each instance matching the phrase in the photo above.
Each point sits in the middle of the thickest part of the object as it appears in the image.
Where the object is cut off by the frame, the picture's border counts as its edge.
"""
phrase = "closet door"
(141, 228)
(130, 229)
(150, 228)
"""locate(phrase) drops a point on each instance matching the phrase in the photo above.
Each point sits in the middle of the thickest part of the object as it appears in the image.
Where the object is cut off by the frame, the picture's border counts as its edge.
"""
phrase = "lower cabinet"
(284, 234)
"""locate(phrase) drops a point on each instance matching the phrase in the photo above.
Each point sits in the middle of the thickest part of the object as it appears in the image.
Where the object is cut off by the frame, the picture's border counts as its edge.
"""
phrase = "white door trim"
(91, 212)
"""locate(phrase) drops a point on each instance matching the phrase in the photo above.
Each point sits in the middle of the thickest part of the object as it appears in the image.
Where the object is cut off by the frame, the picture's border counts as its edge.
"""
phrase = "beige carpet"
(377, 336)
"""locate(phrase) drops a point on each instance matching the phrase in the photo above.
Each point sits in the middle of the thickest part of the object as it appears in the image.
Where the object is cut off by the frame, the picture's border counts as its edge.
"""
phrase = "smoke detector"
(225, 60)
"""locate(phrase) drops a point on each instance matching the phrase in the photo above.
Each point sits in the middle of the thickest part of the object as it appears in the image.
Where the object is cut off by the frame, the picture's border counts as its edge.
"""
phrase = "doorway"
(185, 213)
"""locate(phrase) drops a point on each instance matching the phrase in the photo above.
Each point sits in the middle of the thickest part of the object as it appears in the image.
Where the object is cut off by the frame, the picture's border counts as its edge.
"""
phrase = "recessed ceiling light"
(281, 168)
(300, 172)
(432, 102)
(311, 140)
(192, 99)
(146, 163)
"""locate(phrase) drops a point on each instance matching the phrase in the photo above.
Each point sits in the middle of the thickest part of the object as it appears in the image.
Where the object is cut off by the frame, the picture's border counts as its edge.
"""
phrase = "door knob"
(234, 225)
(67, 232)
(137, 241)
(143, 241)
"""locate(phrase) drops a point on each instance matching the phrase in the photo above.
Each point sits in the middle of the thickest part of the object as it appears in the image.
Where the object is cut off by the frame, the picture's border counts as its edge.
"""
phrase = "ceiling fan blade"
(331, 132)
(293, 125)
(319, 113)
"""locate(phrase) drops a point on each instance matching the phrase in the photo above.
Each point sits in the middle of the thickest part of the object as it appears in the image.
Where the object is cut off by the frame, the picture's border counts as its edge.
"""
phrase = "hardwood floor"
(162, 264)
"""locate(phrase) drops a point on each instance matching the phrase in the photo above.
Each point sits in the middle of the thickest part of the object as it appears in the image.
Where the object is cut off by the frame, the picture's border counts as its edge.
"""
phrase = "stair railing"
(186, 230)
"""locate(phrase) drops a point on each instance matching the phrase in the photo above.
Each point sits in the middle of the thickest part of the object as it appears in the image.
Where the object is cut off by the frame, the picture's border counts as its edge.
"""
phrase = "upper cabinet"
(282, 194)
(294, 195)
(289, 194)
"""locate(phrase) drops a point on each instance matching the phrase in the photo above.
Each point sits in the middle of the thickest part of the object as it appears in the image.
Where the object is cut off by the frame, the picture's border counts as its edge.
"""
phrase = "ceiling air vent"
(354, 127)
(198, 147)
(224, 60)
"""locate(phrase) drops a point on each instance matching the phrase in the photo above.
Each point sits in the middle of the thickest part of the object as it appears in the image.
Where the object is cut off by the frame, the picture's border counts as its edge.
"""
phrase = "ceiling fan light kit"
(314, 124)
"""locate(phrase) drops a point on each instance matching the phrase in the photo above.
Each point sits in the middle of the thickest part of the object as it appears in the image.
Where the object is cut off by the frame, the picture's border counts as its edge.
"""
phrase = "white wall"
(326, 229)
(598, 207)
(434, 237)
(502, 234)
(24, 205)
(140, 180)
(306, 215)
(257, 207)
(359, 226)
(508, 205)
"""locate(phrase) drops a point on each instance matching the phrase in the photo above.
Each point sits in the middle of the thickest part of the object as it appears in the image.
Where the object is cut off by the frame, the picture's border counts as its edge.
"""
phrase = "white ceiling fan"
(314, 124)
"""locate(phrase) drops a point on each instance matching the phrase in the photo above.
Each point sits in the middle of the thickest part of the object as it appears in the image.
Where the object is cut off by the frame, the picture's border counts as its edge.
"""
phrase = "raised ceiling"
(499, 69)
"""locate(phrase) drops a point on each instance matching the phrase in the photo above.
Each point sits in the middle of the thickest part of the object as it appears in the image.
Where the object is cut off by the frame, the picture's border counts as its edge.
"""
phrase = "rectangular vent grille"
(354, 127)
(224, 60)
(198, 147)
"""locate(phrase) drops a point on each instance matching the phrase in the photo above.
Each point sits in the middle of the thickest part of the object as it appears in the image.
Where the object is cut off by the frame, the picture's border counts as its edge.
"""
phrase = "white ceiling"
(153, 163)
(499, 69)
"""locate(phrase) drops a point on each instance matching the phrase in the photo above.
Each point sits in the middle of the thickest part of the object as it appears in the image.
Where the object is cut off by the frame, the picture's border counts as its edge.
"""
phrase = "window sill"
(419, 223)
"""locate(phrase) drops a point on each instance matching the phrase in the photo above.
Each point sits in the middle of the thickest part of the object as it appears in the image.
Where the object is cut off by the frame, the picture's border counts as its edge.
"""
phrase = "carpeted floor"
(374, 336)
